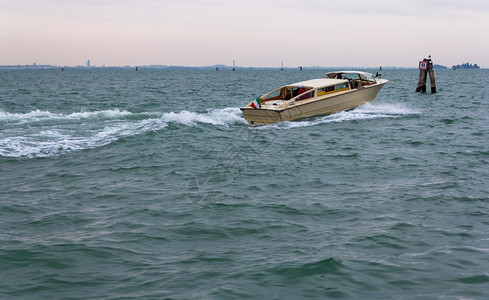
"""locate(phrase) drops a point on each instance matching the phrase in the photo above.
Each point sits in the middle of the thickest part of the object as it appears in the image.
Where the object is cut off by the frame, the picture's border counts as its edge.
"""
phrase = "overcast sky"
(252, 32)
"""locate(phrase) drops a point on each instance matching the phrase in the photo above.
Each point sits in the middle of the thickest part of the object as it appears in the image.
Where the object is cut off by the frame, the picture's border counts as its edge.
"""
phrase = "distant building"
(466, 66)
(88, 63)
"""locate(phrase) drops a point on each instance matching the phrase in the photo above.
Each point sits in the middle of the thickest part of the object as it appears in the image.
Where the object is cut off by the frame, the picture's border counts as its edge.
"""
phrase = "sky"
(254, 33)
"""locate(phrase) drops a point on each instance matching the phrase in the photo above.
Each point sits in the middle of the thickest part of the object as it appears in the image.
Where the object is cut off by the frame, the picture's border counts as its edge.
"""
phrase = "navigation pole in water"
(426, 66)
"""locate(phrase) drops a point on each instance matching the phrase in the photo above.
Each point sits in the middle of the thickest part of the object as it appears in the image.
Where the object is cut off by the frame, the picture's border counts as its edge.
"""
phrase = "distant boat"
(339, 91)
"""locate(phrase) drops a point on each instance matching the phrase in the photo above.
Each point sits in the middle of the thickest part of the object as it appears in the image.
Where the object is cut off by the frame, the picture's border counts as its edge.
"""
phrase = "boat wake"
(45, 134)
(367, 111)
(223, 117)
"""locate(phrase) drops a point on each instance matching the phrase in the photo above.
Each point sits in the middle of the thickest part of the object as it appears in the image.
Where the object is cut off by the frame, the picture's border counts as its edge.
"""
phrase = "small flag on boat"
(256, 103)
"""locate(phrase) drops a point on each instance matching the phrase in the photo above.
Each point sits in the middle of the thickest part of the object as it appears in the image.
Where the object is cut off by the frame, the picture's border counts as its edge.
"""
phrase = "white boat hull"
(320, 106)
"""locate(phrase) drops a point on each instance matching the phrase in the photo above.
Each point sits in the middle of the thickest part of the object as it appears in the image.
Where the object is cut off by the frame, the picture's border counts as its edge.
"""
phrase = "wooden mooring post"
(425, 67)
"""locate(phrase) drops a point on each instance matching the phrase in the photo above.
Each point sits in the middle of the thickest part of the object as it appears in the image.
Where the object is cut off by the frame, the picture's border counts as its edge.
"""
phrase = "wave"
(51, 134)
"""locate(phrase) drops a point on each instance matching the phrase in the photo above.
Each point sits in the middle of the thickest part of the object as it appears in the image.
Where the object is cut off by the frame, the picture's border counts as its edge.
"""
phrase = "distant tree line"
(466, 66)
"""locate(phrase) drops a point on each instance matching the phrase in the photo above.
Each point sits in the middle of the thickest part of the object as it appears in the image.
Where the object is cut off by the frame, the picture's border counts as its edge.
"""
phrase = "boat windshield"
(367, 76)
(352, 75)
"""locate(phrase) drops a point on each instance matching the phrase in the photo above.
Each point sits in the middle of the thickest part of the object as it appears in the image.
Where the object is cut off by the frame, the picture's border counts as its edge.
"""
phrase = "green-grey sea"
(149, 184)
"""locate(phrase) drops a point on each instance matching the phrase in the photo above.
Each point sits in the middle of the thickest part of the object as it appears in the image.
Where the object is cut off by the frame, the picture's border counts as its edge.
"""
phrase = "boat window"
(325, 90)
(353, 76)
(329, 89)
(288, 93)
(275, 95)
(306, 95)
(341, 86)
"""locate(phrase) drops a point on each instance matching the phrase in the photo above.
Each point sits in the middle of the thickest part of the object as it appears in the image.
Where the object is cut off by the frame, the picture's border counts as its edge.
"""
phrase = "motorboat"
(341, 90)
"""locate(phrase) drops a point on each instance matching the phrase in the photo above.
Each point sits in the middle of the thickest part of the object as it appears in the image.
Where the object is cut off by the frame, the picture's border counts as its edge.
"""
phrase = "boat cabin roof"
(319, 82)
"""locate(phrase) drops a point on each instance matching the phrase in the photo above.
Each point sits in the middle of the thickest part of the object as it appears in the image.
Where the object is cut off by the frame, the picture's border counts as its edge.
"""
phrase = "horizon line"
(162, 66)
(217, 66)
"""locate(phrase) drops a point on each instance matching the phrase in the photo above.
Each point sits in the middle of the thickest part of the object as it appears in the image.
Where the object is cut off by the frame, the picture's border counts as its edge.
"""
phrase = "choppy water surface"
(122, 184)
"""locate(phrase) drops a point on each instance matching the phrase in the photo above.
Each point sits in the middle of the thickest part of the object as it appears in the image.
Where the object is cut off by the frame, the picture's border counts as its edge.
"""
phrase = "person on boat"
(287, 94)
(302, 89)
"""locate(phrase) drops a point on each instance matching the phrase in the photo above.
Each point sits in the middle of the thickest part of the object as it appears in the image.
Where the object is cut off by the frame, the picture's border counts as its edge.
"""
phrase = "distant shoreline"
(218, 67)
(215, 67)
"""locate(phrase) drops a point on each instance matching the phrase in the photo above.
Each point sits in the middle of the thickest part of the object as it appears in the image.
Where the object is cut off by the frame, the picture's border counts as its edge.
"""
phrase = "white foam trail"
(104, 114)
(55, 141)
(386, 109)
(39, 115)
(55, 134)
(224, 117)
(364, 112)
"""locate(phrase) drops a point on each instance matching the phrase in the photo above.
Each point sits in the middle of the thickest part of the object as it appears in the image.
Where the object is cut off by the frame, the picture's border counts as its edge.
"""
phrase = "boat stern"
(257, 116)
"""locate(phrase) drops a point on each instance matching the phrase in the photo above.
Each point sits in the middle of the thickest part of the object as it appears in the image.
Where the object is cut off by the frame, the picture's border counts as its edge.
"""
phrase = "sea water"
(121, 184)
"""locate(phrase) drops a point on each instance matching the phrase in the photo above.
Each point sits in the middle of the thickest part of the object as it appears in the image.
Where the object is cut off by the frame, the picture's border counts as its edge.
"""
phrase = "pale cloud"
(254, 33)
